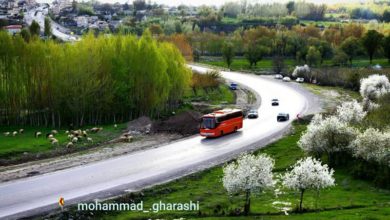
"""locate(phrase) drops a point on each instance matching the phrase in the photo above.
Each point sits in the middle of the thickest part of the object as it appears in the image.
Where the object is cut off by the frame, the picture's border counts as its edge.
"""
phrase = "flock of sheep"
(74, 136)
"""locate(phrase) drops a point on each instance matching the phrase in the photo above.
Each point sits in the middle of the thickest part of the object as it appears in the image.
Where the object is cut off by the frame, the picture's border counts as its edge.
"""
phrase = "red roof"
(13, 27)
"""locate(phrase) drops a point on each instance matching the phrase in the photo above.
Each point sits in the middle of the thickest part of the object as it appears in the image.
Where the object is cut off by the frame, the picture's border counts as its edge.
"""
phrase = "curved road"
(111, 177)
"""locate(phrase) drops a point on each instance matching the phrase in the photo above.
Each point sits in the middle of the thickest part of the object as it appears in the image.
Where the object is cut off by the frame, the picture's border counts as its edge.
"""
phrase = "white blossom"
(309, 173)
(327, 135)
(374, 86)
(373, 145)
(351, 112)
(301, 70)
(250, 172)
(369, 105)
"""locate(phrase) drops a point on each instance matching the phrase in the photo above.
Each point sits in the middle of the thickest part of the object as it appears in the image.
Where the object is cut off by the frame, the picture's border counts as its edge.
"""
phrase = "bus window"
(208, 123)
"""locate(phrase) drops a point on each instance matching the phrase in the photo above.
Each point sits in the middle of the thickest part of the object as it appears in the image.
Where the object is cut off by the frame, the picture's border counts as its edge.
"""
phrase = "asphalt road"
(38, 14)
(131, 172)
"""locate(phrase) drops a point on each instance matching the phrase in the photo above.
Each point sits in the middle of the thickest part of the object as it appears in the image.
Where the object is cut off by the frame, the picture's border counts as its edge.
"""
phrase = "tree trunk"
(300, 203)
(247, 206)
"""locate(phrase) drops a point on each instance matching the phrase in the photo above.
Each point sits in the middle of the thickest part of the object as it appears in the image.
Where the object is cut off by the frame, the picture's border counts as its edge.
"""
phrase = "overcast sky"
(218, 2)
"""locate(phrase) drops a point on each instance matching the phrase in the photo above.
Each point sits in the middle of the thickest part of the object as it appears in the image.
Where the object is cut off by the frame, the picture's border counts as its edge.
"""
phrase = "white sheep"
(89, 139)
(54, 141)
(6, 133)
(14, 133)
(38, 134)
(50, 136)
(69, 145)
(21, 131)
(75, 139)
(54, 132)
(126, 138)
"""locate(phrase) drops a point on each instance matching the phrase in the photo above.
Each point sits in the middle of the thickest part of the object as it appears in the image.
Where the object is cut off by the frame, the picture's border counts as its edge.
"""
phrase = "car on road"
(300, 80)
(283, 117)
(233, 86)
(278, 76)
(253, 113)
(275, 102)
(286, 79)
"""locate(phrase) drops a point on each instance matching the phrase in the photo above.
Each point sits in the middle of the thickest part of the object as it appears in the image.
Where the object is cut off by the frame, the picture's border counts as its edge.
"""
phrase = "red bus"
(221, 122)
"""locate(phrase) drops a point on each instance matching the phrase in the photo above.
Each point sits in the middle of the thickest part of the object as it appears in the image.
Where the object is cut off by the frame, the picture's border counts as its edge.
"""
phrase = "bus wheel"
(235, 129)
(221, 133)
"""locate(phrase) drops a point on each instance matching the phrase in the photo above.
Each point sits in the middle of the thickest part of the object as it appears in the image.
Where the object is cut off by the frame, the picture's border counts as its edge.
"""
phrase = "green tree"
(290, 7)
(351, 46)
(386, 47)
(340, 58)
(228, 53)
(25, 33)
(35, 29)
(372, 42)
(47, 27)
(313, 56)
(386, 16)
(254, 53)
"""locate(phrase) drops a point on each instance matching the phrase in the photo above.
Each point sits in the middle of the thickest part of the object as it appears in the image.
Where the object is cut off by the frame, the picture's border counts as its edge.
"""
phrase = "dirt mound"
(185, 123)
(140, 125)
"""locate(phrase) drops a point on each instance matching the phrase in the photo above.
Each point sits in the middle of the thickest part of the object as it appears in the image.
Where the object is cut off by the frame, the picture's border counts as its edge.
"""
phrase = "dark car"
(275, 102)
(253, 113)
(283, 117)
(233, 86)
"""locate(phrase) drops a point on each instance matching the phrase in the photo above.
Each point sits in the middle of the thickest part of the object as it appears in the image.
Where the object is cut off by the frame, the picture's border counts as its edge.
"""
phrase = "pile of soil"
(185, 123)
(140, 125)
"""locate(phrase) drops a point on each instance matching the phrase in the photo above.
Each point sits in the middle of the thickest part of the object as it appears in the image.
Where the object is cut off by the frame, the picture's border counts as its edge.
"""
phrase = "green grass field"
(240, 63)
(349, 199)
(12, 147)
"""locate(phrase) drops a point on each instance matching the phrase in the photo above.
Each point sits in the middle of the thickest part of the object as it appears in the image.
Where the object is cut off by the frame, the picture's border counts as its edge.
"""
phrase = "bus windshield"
(208, 123)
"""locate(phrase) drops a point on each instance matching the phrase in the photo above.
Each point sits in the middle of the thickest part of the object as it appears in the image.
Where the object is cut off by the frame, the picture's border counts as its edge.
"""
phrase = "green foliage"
(313, 56)
(372, 41)
(228, 53)
(92, 81)
(35, 29)
(379, 117)
(386, 47)
(47, 27)
(351, 46)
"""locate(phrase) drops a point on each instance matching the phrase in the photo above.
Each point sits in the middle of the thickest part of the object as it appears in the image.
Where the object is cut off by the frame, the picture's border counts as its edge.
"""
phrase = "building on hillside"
(13, 29)
(59, 5)
(82, 21)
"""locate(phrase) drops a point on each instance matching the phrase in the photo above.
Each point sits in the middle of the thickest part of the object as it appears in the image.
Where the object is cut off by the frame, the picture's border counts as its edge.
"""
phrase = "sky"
(217, 2)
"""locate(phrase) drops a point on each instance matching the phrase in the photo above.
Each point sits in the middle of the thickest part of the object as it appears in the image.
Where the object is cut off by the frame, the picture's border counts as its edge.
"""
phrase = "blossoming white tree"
(372, 145)
(247, 175)
(351, 112)
(327, 135)
(374, 86)
(300, 71)
(308, 174)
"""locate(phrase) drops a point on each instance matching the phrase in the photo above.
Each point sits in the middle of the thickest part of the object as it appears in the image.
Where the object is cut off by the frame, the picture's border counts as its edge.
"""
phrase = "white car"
(278, 76)
(300, 80)
(286, 79)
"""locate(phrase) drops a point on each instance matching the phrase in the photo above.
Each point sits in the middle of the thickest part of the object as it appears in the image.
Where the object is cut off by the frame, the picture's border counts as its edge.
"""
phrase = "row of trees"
(309, 44)
(352, 134)
(96, 80)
